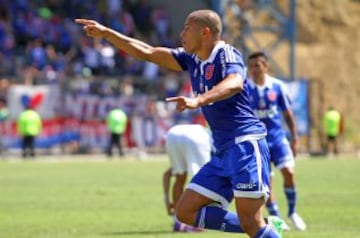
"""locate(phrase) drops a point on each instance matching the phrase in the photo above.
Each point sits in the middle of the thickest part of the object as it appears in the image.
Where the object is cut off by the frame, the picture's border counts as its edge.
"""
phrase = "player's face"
(258, 67)
(191, 36)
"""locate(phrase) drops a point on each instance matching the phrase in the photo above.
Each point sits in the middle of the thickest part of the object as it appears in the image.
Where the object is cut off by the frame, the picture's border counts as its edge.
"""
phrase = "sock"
(290, 193)
(273, 209)
(216, 218)
(266, 232)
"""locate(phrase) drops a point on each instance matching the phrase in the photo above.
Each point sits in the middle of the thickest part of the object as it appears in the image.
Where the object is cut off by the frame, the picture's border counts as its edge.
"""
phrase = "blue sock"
(266, 232)
(216, 218)
(273, 209)
(290, 193)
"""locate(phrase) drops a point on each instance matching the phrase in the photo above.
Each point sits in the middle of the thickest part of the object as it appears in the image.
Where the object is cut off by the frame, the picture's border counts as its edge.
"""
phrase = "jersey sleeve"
(232, 62)
(180, 55)
(284, 99)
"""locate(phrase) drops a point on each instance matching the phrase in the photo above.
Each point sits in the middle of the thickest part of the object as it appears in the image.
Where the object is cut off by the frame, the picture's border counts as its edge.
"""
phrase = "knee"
(288, 174)
(185, 215)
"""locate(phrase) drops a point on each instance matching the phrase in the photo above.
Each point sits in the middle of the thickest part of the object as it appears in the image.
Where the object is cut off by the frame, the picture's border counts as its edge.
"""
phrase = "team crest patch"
(271, 96)
(209, 71)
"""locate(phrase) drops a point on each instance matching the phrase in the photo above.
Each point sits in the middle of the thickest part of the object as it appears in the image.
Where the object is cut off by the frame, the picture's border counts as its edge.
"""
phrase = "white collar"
(268, 83)
(213, 54)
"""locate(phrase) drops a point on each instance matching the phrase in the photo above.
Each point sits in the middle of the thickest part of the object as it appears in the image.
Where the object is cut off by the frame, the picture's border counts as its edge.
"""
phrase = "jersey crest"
(271, 95)
(209, 71)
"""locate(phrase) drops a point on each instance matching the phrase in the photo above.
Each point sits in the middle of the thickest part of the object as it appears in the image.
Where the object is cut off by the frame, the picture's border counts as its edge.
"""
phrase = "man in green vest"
(332, 125)
(116, 123)
(29, 126)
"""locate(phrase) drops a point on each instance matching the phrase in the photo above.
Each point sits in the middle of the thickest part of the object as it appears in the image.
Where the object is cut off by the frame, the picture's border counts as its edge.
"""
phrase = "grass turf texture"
(53, 197)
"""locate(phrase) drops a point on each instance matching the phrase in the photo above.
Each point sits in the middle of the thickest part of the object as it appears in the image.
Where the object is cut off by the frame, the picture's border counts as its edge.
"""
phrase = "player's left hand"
(183, 103)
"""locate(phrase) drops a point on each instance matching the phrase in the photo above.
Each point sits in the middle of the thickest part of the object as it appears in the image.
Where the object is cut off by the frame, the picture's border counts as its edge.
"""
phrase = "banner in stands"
(84, 120)
(80, 118)
(299, 95)
(45, 99)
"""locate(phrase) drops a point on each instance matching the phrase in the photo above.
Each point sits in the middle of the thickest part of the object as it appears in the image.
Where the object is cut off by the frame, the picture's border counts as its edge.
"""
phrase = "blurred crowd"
(41, 44)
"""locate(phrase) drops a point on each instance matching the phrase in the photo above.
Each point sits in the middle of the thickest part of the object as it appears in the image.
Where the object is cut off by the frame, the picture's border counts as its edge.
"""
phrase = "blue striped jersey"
(231, 120)
(269, 102)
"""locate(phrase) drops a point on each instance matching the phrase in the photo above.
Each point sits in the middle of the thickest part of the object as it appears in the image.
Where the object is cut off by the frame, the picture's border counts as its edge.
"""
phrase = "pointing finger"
(172, 99)
(85, 21)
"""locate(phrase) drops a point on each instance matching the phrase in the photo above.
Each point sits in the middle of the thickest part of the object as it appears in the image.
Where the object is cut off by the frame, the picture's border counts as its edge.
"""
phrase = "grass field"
(68, 198)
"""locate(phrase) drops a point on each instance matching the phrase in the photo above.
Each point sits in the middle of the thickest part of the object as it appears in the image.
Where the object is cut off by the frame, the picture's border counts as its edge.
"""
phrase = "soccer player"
(188, 147)
(240, 167)
(270, 102)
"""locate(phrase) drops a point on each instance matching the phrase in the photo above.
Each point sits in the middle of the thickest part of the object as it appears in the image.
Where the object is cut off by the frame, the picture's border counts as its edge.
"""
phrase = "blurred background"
(73, 81)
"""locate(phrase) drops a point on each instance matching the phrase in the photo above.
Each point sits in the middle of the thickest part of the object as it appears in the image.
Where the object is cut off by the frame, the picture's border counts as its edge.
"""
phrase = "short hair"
(208, 18)
(258, 54)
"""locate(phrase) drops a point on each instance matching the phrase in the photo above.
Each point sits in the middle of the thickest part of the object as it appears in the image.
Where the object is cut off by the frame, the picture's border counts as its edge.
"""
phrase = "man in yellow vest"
(116, 123)
(332, 123)
(29, 126)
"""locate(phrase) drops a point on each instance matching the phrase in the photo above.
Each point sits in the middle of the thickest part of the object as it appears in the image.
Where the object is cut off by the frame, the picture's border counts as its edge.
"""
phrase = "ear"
(206, 31)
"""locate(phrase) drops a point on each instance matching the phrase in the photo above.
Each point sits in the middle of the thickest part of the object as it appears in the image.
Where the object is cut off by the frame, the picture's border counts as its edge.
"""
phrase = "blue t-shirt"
(269, 102)
(231, 120)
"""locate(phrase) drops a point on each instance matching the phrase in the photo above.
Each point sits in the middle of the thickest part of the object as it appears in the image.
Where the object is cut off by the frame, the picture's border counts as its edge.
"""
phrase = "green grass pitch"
(93, 197)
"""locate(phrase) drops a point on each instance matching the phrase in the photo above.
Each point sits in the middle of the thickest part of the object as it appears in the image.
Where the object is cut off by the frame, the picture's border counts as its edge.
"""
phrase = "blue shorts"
(281, 154)
(243, 170)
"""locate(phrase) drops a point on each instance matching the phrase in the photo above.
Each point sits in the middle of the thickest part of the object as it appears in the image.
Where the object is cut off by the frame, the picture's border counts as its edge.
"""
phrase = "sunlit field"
(91, 196)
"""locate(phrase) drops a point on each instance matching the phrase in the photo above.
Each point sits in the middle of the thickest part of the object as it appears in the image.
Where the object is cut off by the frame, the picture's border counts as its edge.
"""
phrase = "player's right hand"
(93, 28)
(183, 103)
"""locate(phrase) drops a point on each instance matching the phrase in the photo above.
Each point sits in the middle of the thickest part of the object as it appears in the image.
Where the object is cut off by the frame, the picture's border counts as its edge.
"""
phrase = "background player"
(188, 147)
(270, 101)
(333, 127)
(240, 166)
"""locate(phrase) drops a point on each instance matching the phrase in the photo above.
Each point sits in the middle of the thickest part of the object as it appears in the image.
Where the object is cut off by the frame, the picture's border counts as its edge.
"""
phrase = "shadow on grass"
(130, 233)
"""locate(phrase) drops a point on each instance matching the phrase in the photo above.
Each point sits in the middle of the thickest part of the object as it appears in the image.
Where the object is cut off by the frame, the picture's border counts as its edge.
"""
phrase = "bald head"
(208, 18)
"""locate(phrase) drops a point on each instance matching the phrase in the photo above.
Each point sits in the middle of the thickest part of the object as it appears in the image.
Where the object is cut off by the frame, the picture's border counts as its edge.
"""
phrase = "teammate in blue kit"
(240, 167)
(270, 101)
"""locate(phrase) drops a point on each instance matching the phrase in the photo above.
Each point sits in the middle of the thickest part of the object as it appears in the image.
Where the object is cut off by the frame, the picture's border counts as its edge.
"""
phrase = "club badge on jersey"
(271, 95)
(209, 71)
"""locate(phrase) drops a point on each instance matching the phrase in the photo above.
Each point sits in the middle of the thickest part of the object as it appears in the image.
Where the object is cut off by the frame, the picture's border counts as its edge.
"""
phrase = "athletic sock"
(266, 232)
(216, 218)
(290, 193)
(273, 209)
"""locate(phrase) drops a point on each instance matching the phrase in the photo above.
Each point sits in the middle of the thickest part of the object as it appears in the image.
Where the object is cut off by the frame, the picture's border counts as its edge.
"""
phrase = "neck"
(205, 52)
(260, 80)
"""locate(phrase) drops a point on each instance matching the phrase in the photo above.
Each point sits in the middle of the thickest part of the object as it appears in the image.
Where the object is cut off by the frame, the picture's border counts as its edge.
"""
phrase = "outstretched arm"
(136, 48)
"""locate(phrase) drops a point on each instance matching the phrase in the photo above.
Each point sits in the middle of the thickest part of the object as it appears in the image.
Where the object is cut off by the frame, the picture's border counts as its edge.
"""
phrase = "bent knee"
(186, 216)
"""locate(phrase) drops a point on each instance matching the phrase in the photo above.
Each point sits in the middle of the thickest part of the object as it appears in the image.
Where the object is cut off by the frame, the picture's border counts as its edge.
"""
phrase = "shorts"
(243, 170)
(187, 156)
(281, 154)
